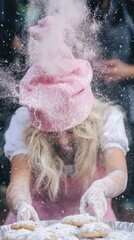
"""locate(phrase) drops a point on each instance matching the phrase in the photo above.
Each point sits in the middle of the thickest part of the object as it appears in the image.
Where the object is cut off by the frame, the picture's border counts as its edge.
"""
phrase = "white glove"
(95, 201)
(27, 212)
(108, 187)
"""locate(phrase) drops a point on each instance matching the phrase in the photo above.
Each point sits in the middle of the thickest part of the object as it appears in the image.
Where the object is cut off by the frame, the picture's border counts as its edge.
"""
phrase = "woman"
(67, 148)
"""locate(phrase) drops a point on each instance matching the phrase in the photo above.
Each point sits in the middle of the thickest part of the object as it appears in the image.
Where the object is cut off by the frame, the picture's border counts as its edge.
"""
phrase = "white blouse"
(113, 132)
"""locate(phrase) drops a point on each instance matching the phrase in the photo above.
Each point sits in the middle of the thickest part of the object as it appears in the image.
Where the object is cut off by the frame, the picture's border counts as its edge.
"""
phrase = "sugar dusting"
(8, 85)
(73, 25)
(119, 230)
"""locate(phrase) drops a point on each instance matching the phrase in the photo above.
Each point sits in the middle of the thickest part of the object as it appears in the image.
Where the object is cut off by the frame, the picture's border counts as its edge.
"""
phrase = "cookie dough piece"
(79, 219)
(94, 230)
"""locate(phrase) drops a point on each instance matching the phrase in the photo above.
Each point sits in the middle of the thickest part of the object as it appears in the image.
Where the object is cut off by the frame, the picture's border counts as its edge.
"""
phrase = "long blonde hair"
(49, 167)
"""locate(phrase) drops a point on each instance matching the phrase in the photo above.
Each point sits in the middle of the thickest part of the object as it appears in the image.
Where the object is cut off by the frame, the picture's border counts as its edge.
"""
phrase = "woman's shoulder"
(14, 142)
(113, 132)
(21, 115)
(22, 111)
(112, 113)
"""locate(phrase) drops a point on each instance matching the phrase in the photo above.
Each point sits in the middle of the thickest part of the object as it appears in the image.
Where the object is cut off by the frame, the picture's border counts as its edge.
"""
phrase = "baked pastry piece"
(15, 235)
(41, 235)
(24, 234)
(93, 230)
(49, 236)
(59, 229)
(78, 219)
(69, 237)
(30, 225)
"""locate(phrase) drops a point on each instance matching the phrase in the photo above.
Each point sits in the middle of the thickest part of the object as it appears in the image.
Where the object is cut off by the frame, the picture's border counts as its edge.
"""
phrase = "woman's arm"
(116, 172)
(115, 70)
(18, 192)
(110, 186)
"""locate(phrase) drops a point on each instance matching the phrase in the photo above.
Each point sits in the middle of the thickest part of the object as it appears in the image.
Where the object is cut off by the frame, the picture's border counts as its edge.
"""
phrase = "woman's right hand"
(18, 193)
(27, 212)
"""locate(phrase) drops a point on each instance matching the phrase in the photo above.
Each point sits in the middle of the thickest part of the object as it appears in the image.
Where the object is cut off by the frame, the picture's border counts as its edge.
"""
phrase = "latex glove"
(95, 201)
(108, 187)
(27, 212)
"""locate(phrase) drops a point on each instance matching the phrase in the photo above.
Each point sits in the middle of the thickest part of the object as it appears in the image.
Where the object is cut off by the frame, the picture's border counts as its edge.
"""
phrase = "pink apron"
(67, 203)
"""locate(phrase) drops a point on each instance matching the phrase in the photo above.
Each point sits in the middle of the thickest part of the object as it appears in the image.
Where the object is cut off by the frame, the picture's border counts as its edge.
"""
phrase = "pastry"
(29, 225)
(15, 235)
(60, 229)
(94, 230)
(78, 220)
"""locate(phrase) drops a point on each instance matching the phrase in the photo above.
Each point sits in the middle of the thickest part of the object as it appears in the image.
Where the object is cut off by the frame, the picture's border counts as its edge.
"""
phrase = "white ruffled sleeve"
(113, 131)
(14, 143)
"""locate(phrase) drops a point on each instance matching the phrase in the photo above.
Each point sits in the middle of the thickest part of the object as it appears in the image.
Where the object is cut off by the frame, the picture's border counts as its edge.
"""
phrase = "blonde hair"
(49, 167)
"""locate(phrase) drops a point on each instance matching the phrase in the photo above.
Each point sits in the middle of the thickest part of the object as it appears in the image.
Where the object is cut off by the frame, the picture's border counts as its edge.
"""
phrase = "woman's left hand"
(95, 200)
